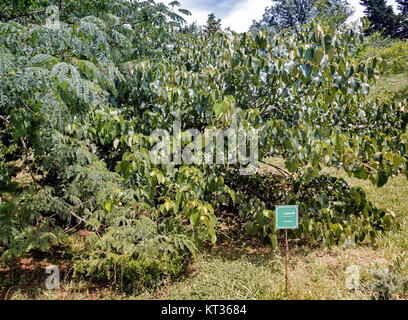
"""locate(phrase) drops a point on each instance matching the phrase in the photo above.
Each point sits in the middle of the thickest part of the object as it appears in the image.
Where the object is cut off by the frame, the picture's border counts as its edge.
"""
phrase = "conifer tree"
(403, 6)
(381, 16)
(213, 24)
(403, 18)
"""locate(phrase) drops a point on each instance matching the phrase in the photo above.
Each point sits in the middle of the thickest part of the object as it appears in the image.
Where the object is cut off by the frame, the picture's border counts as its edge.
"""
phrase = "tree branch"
(4, 119)
(281, 171)
(4, 7)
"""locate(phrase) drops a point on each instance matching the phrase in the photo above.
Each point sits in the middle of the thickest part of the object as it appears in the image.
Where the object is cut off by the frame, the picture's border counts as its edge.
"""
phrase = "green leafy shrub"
(25, 226)
(330, 211)
(337, 213)
(134, 253)
(393, 53)
(132, 274)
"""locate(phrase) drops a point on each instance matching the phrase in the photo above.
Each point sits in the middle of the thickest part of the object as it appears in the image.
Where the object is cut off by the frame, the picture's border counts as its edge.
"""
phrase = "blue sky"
(238, 14)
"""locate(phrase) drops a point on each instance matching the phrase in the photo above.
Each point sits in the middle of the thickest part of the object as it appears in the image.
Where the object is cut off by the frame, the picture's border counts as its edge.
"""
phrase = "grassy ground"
(314, 273)
(248, 270)
(393, 86)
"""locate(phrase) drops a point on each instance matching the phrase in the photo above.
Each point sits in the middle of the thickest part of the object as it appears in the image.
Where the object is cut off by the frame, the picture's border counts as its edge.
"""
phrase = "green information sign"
(286, 217)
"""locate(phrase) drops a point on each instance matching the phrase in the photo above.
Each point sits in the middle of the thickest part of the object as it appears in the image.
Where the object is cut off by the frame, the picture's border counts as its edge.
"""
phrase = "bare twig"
(4, 119)
(281, 171)
(368, 167)
(26, 105)
(68, 230)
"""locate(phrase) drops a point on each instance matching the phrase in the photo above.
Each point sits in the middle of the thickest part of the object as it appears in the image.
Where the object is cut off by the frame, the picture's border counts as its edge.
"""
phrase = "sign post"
(287, 217)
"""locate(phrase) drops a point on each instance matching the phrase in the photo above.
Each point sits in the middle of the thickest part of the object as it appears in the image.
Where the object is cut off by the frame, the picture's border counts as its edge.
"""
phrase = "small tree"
(213, 25)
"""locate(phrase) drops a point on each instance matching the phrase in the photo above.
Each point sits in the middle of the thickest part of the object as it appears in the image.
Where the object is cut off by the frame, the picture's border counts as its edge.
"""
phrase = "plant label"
(287, 217)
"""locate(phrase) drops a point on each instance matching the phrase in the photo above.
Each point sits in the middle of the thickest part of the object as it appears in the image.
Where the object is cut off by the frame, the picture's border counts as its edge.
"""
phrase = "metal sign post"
(287, 217)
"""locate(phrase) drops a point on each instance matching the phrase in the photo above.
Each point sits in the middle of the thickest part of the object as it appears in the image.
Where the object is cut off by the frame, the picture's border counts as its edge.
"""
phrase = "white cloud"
(358, 9)
(239, 17)
(198, 15)
(242, 14)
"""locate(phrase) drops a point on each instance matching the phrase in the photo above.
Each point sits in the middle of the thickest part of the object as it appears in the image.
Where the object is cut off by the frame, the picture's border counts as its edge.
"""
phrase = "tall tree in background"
(213, 24)
(403, 6)
(403, 18)
(381, 16)
(192, 28)
(336, 11)
(289, 13)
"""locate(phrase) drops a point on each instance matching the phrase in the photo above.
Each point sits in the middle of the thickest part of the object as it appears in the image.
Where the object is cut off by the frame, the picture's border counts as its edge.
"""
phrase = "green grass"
(314, 273)
(247, 270)
(394, 87)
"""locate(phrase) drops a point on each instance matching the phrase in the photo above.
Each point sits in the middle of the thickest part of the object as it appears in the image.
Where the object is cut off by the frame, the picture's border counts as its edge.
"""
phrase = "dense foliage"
(393, 52)
(383, 18)
(79, 100)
